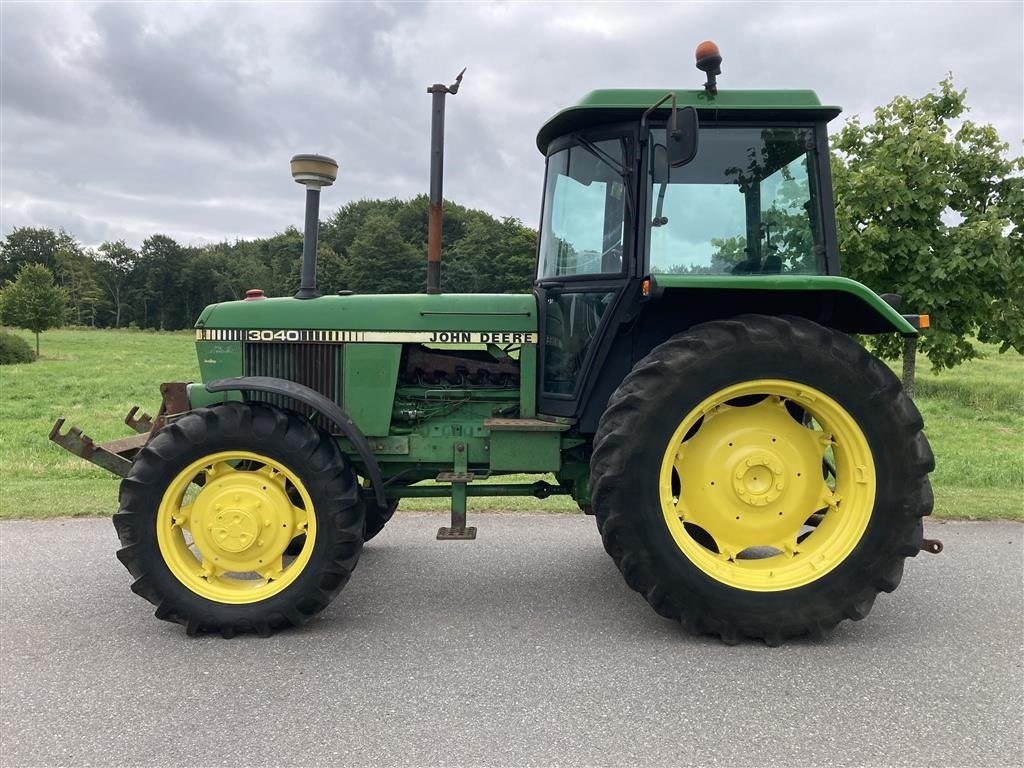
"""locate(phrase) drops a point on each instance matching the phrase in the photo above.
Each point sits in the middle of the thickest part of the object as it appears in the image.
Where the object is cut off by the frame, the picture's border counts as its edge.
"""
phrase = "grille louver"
(317, 366)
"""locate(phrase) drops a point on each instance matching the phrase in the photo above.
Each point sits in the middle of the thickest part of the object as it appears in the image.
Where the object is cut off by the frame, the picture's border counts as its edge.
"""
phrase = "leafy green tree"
(282, 254)
(76, 273)
(491, 257)
(341, 229)
(934, 213)
(729, 251)
(114, 265)
(158, 280)
(31, 245)
(380, 261)
(33, 301)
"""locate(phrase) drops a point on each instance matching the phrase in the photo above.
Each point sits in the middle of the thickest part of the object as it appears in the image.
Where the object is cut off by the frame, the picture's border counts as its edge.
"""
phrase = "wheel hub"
(759, 479)
(242, 520)
(235, 529)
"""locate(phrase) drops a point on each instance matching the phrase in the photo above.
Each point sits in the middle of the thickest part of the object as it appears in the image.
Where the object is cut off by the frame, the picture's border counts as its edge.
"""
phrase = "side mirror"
(681, 136)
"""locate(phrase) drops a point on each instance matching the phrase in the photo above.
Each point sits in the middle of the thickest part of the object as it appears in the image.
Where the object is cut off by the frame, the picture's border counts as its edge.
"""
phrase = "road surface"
(522, 648)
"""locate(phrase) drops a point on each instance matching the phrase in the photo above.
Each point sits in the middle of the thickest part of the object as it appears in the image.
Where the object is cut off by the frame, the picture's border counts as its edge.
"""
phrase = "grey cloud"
(181, 118)
(37, 76)
(193, 79)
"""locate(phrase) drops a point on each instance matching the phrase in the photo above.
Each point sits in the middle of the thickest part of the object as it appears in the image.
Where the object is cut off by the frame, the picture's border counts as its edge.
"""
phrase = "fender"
(322, 405)
(830, 300)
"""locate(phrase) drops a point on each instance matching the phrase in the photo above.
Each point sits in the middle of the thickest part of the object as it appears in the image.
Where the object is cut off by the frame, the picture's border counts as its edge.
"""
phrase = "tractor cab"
(750, 199)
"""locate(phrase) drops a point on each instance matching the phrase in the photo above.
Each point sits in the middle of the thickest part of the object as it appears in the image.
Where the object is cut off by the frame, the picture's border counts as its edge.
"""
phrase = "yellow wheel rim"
(225, 521)
(767, 485)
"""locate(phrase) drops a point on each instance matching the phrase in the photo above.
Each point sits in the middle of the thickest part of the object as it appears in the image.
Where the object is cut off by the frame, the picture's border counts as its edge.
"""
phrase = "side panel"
(526, 451)
(370, 376)
(219, 359)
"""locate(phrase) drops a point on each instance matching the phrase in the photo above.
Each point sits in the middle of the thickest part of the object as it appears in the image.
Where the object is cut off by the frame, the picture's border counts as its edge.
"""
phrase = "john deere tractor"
(684, 368)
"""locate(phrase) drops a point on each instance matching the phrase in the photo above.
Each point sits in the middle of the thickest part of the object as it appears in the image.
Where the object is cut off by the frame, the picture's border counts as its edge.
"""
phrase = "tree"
(341, 229)
(158, 275)
(75, 272)
(491, 257)
(33, 301)
(380, 261)
(935, 214)
(30, 245)
(113, 270)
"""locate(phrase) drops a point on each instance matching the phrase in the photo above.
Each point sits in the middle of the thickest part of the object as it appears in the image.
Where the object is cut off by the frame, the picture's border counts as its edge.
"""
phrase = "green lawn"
(974, 416)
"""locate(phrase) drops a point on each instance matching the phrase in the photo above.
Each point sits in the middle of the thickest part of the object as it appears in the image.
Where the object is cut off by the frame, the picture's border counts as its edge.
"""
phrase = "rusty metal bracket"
(175, 403)
(931, 546)
(114, 456)
(142, 424)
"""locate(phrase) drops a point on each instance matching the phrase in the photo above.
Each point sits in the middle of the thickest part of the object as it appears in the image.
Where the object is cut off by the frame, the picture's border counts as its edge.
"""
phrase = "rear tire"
(213, 502)
(761, 477)
(377, 518)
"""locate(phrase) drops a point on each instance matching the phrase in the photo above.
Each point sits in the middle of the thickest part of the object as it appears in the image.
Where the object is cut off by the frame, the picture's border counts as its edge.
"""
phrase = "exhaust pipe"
(313, 172)
(437, 91)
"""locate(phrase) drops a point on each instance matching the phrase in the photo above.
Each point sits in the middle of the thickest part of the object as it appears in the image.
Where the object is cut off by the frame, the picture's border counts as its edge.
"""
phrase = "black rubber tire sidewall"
(279, 435)
(669, 384)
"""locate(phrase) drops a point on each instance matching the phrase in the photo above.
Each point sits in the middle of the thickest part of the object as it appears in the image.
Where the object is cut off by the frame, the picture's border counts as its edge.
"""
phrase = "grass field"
(974, 419)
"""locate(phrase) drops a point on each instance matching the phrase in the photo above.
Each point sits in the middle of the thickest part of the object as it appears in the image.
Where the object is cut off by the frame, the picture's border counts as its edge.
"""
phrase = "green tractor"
(683, 368)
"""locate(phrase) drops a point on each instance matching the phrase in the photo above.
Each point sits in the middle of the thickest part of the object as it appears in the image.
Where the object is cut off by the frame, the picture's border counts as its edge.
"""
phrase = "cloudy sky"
(122, 120)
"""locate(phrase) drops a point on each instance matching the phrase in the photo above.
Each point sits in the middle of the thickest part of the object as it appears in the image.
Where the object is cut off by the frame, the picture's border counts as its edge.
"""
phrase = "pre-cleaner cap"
(314, 169)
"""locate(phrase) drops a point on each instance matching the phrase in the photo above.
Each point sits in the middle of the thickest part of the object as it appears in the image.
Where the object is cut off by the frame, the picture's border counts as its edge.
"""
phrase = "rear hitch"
(931, 546)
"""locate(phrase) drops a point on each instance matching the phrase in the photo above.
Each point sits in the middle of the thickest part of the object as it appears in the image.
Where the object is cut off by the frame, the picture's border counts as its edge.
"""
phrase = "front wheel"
(210, 511)
(761, 477)
(377, 517)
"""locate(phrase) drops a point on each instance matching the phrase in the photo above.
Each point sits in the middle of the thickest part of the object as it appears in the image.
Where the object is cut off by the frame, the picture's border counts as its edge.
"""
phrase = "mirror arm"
(670, 95)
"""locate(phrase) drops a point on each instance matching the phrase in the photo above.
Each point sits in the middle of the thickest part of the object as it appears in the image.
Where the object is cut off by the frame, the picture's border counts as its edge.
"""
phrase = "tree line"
(368, 246)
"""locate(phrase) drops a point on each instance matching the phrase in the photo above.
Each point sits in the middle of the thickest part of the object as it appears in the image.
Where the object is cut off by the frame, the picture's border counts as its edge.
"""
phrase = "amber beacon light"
(709, 60)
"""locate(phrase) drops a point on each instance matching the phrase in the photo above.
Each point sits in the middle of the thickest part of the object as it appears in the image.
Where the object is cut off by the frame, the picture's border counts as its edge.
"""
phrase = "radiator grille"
(317, 366)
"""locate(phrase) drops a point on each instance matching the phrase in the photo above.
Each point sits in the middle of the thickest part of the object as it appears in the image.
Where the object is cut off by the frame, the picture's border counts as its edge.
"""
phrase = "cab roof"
(613, 105)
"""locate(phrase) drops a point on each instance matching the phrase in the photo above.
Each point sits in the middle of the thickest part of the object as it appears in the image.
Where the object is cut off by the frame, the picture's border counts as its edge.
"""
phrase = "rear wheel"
(211, 511)
(761, 477)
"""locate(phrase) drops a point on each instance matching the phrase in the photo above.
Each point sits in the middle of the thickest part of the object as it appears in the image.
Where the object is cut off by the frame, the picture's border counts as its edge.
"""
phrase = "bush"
(14, 349)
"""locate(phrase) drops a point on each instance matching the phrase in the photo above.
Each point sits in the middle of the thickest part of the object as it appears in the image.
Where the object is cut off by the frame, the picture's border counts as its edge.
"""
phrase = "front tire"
(761, 477)
(211, 507)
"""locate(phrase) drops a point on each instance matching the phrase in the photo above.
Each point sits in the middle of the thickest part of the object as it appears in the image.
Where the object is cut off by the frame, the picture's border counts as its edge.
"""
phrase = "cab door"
(585, 258)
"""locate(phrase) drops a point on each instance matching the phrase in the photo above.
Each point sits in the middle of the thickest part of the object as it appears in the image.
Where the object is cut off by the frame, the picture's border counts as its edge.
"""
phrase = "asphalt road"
(522, 648)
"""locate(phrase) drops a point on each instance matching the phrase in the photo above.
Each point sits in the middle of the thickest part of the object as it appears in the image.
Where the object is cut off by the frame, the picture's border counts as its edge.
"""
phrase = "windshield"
(585, 203)
(747, 204)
